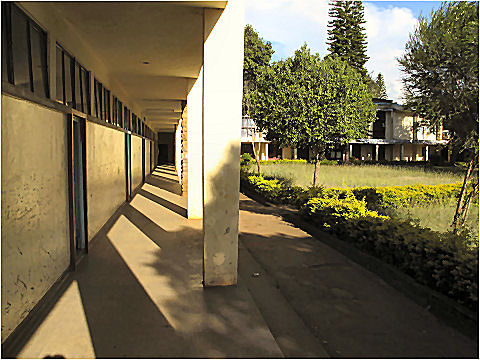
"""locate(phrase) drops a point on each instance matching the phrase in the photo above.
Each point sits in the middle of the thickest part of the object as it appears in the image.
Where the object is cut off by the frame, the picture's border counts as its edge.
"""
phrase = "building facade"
(396, 135)
(252, 138)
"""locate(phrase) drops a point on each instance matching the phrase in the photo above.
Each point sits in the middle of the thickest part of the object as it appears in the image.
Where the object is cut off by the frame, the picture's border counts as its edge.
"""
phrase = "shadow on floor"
(139, 294)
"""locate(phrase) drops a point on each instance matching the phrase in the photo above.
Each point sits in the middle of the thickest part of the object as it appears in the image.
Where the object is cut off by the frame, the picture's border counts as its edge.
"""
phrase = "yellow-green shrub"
(330, 211)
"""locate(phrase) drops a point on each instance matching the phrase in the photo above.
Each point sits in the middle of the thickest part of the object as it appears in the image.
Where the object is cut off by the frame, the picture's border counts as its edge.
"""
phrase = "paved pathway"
(139, 294)
(351, 311)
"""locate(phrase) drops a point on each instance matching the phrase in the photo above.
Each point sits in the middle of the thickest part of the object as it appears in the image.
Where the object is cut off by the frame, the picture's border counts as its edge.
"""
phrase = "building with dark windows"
(397, 135)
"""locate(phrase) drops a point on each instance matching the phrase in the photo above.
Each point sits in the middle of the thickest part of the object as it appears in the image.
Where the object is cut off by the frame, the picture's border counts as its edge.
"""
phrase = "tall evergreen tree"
(346, 34)
(382, 89)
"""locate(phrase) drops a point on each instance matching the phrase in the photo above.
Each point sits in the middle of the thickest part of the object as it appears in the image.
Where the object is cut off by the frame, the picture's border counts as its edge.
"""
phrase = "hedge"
(377, 198)
(442, 261)
(385, 197)
(299, 161)
(446, 262)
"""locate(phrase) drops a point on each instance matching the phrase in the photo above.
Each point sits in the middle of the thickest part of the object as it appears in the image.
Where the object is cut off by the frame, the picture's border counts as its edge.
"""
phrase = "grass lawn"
(438, 217)
(358, 175)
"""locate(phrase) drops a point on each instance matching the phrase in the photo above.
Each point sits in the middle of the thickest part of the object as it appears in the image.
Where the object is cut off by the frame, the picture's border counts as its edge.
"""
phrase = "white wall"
(105, 174)
(35, 241)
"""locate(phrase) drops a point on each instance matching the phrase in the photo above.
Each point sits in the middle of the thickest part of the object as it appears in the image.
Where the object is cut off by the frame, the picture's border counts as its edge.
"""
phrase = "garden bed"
(445, 262)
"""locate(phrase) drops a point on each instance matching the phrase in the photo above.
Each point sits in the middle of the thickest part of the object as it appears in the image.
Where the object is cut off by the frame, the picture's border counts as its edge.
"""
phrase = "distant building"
(251, 137)
(396, 135)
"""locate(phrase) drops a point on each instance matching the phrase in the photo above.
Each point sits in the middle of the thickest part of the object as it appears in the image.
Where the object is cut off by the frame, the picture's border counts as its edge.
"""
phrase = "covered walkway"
(139, 292)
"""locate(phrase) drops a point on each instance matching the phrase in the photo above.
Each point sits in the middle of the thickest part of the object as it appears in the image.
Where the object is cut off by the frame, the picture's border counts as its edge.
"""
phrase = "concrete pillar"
(426, 153)
(178, 149)
(194, 150)
(222, 114)
(376, 152)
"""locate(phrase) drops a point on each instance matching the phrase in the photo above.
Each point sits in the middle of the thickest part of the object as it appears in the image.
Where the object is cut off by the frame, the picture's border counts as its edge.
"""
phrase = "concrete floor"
(351, 311)
(139, 293)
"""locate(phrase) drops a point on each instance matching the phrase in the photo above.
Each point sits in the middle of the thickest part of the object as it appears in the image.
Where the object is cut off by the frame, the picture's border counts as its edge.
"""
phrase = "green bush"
(299, 161)
(443, 261)
(283, 161)
(268, 188)
(245, 159)
(330, 211)
(379, 198)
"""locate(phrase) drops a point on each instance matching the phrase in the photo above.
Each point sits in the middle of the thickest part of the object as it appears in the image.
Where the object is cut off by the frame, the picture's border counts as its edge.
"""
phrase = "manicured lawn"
(438, 217)
(358, 175)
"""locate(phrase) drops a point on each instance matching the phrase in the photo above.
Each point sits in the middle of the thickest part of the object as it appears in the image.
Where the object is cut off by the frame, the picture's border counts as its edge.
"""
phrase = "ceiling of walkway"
(153, 49)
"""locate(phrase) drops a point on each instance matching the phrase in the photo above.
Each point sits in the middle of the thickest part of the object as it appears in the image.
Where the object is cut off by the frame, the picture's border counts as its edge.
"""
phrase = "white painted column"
(222, 110)
(178, 149)
(266, 151)
(194, 150)
(376, 152)
(295, 153)
(426, 153)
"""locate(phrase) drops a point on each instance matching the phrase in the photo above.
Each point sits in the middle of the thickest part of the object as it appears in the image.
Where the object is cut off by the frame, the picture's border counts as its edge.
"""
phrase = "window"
(120, 115)
(24, 51)
(114, 110)
(102, 102)
(67, 65)
(126, 119)
(73, 82)
(134, 123)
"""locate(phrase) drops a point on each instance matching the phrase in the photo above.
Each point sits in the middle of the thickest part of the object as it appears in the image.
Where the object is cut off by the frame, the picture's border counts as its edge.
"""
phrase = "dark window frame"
(7, 10)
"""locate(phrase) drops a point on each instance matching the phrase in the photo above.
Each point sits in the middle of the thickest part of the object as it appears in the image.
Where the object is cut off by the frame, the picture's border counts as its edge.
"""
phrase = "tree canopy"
(440, 69)
(307, 101)
(257, 55)
(346, 34)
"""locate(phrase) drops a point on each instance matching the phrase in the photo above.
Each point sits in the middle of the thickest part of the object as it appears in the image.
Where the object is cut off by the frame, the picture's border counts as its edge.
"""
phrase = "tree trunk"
(256, 155)
(466, 205)
(316, 172)
(318, 153)
(347, 153)
(460, 204)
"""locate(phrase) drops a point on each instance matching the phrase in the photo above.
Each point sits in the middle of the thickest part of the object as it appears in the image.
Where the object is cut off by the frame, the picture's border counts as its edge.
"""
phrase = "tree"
(377, 86)
(346, 36)
(257, 55)
(440, 67)
(382, 89)
(307, 101)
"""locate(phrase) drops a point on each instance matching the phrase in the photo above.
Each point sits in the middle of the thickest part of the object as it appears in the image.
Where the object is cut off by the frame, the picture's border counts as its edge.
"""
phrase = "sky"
(287, 24)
